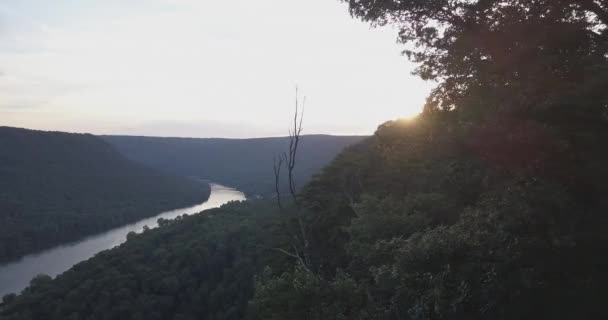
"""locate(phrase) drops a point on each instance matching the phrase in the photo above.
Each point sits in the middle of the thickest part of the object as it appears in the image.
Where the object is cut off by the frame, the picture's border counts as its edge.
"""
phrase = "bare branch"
(295, 255)
(277, 166)
(294, 142)
(290, 160)
(287, 253)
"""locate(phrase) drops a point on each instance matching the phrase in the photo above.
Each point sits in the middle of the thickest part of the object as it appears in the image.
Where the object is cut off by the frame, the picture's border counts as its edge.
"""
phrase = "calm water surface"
(15, 276)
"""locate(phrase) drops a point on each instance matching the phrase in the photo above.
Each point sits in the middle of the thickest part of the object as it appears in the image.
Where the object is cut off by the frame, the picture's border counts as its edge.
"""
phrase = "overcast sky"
(198, 68)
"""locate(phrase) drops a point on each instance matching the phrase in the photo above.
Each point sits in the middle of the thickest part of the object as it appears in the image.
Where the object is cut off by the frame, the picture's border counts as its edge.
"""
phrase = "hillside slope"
(198, 267)
(425, 220)
(242, 163)
(57, 187)
(433, 219)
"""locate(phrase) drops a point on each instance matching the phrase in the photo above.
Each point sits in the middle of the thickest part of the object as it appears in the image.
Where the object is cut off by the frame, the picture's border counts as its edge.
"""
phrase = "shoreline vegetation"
(59, 187)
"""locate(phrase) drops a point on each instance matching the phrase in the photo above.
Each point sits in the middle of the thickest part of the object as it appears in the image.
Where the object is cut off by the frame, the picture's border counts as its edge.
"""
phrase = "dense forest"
(448, 233)
(489, 205)
(58, 187)
(242, 163)
(196, 267)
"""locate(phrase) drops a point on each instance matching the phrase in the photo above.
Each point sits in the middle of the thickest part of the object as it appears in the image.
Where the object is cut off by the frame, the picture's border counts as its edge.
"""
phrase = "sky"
(199, 68)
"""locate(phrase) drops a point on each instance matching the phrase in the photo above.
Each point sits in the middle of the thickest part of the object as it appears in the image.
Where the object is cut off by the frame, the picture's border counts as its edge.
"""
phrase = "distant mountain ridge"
(57, 187)
(242, 163)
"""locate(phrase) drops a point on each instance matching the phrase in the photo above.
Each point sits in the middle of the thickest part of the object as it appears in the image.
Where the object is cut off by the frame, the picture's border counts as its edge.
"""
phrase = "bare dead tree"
(294, 142)
(289, 159)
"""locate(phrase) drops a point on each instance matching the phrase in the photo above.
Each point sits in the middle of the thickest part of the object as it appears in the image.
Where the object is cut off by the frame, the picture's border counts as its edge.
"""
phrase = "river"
(15, 276)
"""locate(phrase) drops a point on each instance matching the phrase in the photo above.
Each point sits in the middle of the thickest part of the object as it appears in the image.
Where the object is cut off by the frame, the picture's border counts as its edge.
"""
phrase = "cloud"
(170, 61)
(20, 33)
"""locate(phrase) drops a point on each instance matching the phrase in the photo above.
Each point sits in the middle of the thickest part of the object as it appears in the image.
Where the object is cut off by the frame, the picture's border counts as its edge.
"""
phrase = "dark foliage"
(490, 205)
(423, 221)
(59, 187)
(195, 267)
(515, 56)
(413, 223)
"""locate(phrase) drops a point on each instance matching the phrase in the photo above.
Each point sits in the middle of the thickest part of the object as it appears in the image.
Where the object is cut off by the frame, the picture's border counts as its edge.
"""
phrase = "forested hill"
(242, 163)
(424, 220)
(491, 205)
(57, 187)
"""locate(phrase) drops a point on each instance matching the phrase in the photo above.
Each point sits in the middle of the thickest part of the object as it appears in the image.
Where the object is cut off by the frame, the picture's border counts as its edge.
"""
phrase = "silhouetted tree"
(514, 55)
(289, 159)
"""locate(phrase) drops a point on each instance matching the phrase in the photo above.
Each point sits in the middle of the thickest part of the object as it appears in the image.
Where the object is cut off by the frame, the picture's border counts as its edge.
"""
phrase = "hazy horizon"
(184, 68)
(283, 135)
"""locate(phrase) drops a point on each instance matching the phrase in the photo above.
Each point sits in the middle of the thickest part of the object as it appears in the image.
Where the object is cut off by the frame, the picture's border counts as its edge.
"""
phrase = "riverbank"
(15, 276)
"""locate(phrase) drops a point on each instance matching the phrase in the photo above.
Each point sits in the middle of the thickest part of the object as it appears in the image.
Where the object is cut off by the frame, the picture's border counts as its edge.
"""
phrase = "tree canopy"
(515, 55)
